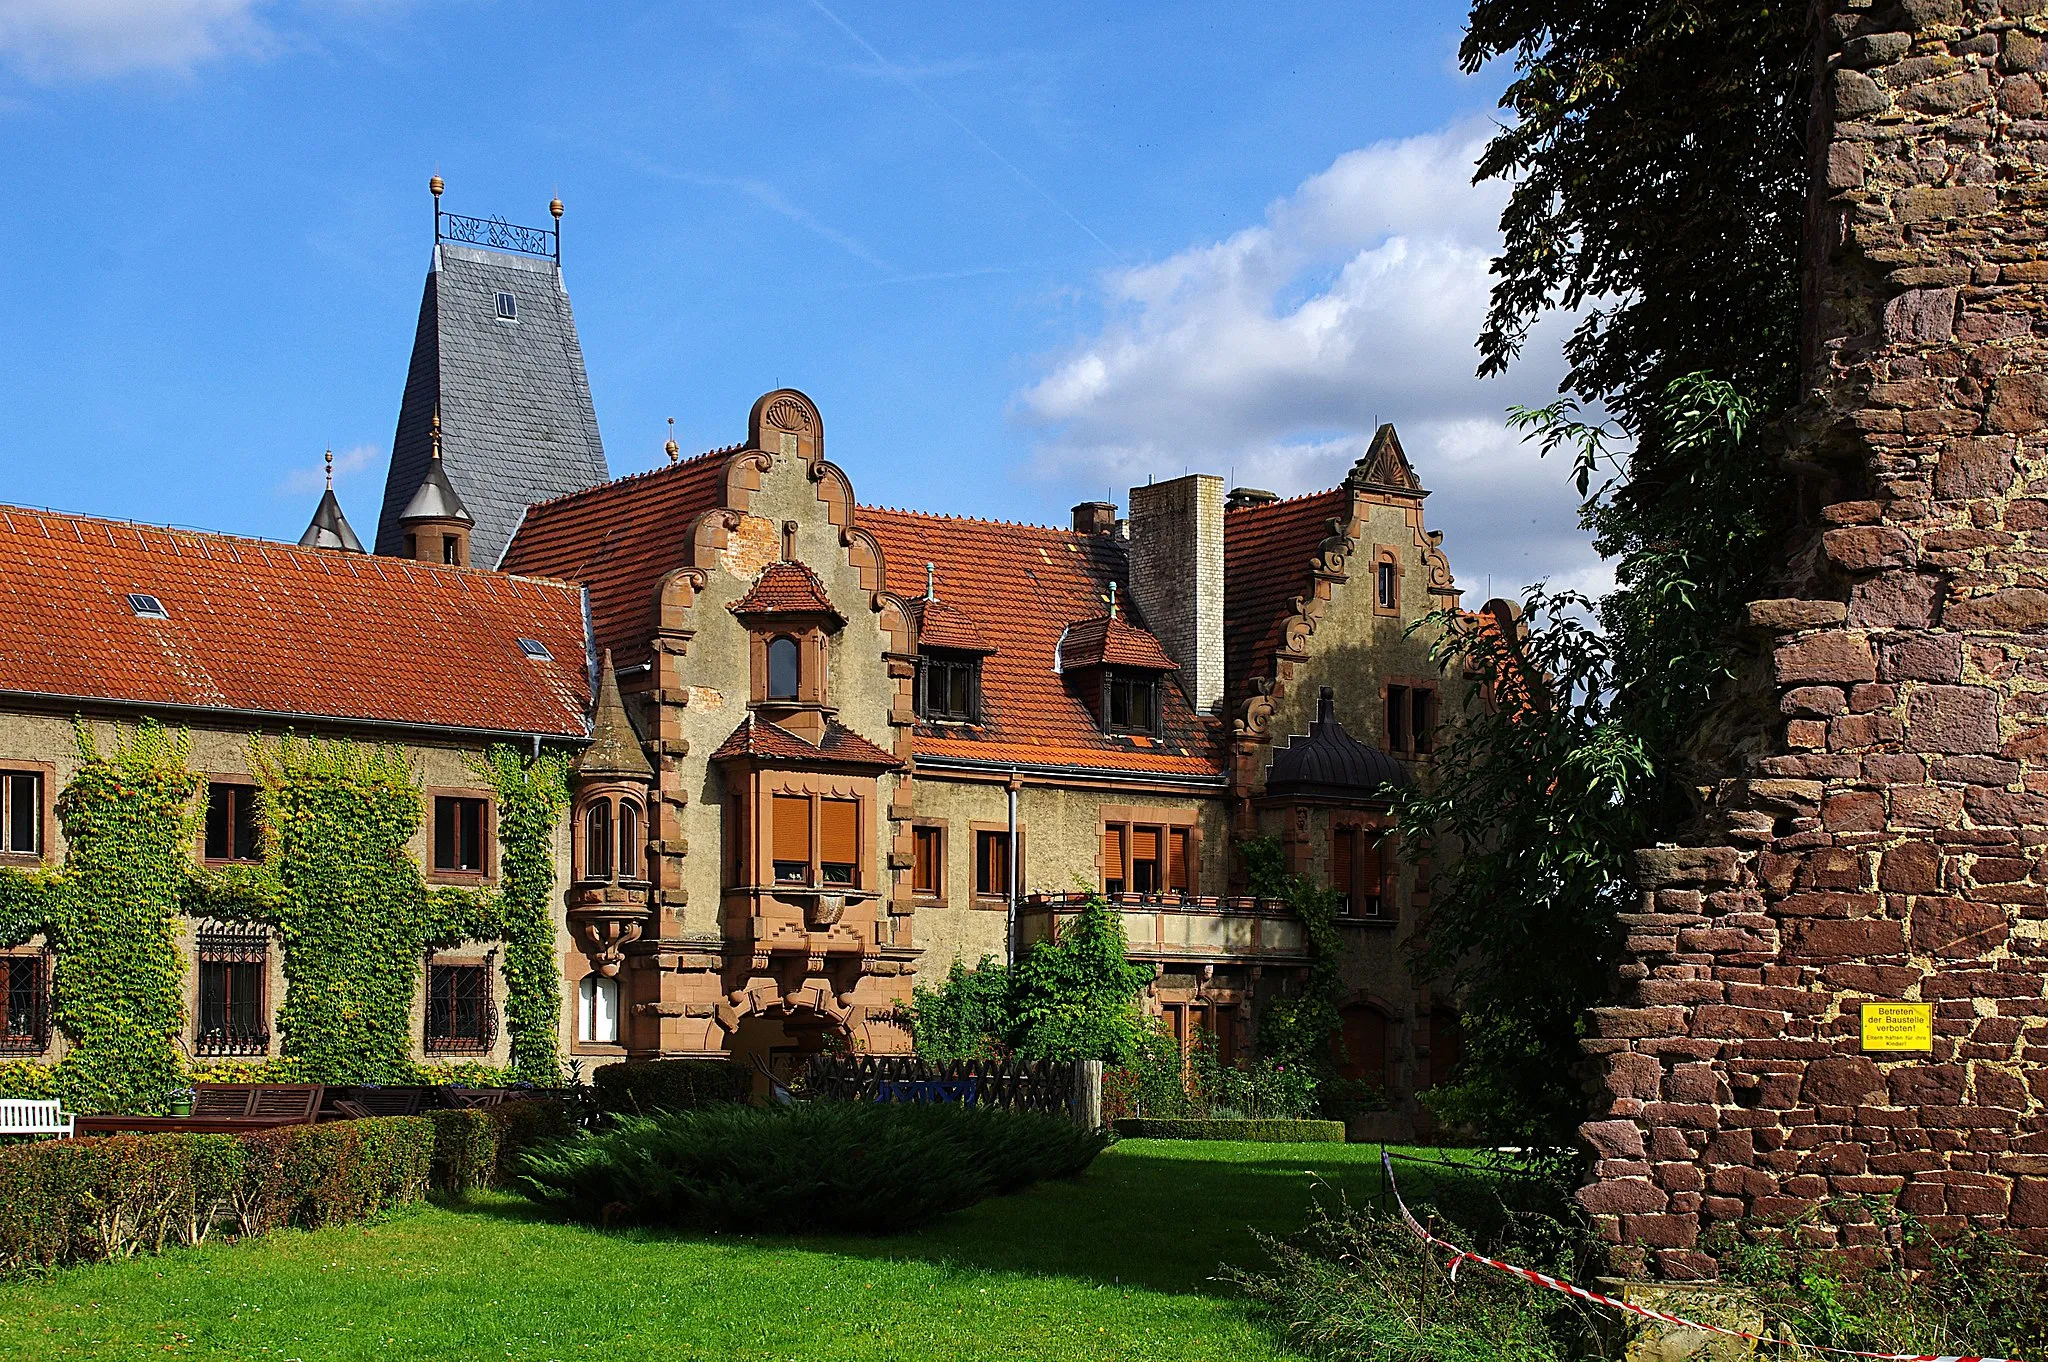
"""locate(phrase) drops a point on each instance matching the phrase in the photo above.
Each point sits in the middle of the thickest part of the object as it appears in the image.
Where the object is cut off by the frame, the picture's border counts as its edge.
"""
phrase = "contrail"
(897, 73)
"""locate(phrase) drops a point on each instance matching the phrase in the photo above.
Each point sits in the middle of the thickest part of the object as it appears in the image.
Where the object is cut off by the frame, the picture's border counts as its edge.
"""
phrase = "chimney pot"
(1241, 497)
(1095, 517)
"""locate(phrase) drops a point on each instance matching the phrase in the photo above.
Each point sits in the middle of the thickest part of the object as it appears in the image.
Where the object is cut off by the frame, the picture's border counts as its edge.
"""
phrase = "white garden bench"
(20, 1116)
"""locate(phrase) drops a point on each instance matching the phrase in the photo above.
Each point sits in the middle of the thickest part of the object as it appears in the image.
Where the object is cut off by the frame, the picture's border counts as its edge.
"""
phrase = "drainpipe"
(1016, 875)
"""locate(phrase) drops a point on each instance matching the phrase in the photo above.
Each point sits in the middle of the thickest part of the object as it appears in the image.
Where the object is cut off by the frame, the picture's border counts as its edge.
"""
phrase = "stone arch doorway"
(784, 1039)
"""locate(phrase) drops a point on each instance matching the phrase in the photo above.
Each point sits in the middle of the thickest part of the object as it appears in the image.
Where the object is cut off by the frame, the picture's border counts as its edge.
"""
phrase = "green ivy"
(110, 916)
(352, 910)
(1299, 1029)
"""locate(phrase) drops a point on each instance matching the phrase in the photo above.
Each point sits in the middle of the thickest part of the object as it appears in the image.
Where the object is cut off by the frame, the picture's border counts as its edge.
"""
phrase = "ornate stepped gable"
(1885, 846)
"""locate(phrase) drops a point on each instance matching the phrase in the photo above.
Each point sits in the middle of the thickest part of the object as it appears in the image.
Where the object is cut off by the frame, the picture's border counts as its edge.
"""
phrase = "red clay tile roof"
(620, 539)
(939, 625)
(1020, 585)
(764, 741)
(1109, 640)
(279, 630)
(1268, 553)
(785, 587)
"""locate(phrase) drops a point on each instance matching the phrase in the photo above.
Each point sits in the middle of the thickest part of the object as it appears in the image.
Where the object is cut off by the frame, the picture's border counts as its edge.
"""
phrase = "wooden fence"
(1017, 1085)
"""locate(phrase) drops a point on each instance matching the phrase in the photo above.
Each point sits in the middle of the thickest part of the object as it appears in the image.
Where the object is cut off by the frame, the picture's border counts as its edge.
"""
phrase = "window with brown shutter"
(1369, 888)
(992, 864)
(1344, 865)
(1180, 860)
(791, 831)
(1147, 864)
(927, 856)
(839, 841)
(1113, 881)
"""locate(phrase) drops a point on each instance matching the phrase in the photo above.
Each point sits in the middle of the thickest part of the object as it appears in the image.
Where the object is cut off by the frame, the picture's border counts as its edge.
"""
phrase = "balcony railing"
(1184, 928)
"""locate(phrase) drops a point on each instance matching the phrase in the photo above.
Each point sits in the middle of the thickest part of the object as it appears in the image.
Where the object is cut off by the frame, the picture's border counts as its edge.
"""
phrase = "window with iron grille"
(234, 987)
(949, 687)
(26, 1027)
(461, 1016)
(21, 813)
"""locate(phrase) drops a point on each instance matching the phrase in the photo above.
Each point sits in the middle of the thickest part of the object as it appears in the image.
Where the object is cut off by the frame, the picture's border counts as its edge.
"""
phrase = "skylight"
(536, 650)
(147, 607)
(508, 308)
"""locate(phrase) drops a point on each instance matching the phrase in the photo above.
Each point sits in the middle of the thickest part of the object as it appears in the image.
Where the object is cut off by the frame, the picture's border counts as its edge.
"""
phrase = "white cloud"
(1271, 355)
(50, 39)
(348, 463)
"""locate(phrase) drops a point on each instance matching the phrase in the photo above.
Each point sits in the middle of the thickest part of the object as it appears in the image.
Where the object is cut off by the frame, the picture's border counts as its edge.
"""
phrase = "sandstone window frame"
(1387, 576)
(987, 896)
(453, 985)
(1412, 713)
(232, 964)
(1178, 854)
(615, 852)
(1366, 878)
(462, 798)
(815, 836)
(928, 845)
(591, 989)
(41, 777)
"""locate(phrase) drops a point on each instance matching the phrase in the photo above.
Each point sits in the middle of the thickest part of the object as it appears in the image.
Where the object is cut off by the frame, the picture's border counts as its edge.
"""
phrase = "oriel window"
(597, 840)
(783, 669)
(459, 825)
(792, 838)
(21, 813)
(629, 840)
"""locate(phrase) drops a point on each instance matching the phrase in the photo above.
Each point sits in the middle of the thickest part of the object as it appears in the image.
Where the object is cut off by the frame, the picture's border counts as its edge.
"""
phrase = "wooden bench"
(352, 1103)
(224, 1108)
(28, 1116)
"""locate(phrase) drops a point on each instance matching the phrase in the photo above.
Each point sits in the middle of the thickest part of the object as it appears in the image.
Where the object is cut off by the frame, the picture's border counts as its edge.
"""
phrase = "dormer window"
(949, 686)
(1130, 701)
(783, 669)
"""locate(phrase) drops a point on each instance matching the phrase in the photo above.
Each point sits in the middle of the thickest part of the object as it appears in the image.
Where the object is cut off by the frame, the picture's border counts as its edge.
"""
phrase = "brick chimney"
(1095, 517)
(1177, 577)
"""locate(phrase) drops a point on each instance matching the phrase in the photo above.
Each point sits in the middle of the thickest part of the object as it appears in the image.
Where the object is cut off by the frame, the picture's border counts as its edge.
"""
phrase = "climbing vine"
(1299, 1029)
(351, 909)
(110, 916)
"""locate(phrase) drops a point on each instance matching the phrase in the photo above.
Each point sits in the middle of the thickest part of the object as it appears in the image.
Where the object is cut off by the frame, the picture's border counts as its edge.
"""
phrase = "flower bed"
(1220, 1128)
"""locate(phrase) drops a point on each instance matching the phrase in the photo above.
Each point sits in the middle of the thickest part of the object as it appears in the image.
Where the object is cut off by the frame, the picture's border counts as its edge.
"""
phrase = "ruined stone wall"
(1887, 840)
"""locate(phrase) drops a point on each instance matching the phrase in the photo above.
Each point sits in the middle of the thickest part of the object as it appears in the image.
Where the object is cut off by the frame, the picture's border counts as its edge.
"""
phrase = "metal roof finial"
(931, 582)
(672, 449)
(434, 431)
(1112, 598)
(434, 186)
(330, 468)
(555, 208)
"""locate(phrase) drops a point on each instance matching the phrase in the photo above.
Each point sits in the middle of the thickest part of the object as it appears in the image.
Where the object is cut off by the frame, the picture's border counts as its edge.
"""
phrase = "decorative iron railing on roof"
(498, 235)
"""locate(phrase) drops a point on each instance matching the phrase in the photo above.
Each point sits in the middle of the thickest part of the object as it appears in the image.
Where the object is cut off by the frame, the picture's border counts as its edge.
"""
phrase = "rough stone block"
(2018, 609)
(2019, 403)
(1867, 548)
(1613, 1139)
(1953, 719)
(1786, 614)
(1958, 928)
(1910, 868)
(1973, 468)
(1835, 939)
(1837, 657)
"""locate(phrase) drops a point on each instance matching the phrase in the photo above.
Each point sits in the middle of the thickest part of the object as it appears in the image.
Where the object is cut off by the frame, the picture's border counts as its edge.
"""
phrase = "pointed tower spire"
(435, 522)
(614, 744)
(330, 528)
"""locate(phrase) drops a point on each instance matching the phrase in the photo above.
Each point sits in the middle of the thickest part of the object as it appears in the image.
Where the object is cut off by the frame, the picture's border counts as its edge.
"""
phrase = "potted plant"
(181, 1101)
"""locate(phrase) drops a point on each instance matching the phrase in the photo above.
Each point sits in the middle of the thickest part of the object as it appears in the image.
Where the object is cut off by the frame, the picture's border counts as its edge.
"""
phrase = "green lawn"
(1119, 1264)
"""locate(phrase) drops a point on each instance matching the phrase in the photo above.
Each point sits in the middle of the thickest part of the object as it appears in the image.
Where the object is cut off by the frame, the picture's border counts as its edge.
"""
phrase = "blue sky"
(1021, 255)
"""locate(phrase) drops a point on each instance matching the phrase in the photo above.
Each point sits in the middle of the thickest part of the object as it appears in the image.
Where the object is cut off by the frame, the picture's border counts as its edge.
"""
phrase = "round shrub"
(818, 1167)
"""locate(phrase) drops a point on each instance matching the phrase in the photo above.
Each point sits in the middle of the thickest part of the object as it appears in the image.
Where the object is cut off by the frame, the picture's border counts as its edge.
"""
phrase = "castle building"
(824, 750)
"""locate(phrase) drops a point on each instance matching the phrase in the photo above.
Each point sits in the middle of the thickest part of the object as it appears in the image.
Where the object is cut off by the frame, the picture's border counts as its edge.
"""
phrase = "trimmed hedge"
(1204, 1128)
(478, 1147)
(95, 1199)
(818, 1167)
(644, 1087)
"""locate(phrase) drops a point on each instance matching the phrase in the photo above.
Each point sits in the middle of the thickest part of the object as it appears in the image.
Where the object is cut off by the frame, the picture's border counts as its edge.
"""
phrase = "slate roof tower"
(496, 351)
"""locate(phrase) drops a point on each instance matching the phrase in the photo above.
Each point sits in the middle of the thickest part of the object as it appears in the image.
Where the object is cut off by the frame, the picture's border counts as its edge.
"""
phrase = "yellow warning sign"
(1898, 1026)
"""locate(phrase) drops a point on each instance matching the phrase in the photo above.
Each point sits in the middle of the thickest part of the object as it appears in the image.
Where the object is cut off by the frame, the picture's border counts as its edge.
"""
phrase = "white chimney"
(1176, 550)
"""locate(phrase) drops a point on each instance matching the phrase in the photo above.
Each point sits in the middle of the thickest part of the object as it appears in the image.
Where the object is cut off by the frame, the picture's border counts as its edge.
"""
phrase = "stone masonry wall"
(1889, 837)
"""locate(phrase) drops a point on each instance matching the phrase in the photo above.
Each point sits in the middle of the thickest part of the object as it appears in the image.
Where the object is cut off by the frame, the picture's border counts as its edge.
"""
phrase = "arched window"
(597, 840)
(597, 1010)
(629, 840)
(782, 669)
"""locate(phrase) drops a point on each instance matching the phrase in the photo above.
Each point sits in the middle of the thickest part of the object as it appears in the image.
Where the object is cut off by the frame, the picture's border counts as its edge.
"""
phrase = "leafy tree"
(967, 1016)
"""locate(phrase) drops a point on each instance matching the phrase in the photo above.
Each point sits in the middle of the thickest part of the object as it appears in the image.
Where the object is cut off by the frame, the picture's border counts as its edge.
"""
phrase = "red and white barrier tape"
(1459, 1256)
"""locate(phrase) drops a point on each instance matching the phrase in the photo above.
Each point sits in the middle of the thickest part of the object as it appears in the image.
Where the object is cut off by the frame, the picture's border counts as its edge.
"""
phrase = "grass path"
(1119, 1264)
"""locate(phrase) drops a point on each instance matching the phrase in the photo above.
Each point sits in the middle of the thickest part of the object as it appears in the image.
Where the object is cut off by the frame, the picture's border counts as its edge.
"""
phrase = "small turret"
(435, 522)
(330, 528)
